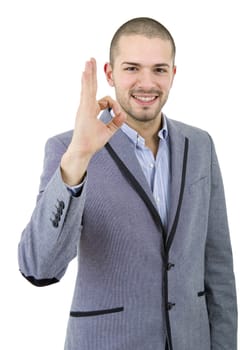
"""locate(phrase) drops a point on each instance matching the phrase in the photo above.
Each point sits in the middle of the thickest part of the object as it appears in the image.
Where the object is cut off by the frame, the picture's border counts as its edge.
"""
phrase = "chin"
(145, 118)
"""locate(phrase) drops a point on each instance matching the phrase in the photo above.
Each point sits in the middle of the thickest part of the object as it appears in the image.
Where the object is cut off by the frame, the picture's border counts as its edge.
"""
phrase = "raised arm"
(49, 241)
(90, 134)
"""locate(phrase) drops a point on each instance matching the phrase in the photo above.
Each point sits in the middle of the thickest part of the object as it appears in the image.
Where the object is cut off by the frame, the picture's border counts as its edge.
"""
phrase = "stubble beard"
(145, 115)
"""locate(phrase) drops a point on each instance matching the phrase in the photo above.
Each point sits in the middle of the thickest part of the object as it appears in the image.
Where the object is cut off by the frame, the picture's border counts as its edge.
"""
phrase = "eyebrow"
(138, 64)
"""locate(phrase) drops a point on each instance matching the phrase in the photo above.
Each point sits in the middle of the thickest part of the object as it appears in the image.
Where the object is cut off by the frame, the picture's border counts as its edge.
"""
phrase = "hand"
(90, 134)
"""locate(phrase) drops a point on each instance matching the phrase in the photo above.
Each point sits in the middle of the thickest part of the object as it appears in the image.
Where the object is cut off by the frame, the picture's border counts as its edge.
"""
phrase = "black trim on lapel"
(183, 177)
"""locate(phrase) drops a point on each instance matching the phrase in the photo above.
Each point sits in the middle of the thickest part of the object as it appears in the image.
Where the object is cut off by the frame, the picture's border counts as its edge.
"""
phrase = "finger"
(116, 122)
(108, 102)
(103, 104)
(89, 80)
(94, 73)
(119, 115)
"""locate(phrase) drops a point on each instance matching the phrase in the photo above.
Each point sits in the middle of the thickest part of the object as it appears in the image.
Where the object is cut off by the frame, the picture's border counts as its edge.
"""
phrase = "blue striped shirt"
(156, 169)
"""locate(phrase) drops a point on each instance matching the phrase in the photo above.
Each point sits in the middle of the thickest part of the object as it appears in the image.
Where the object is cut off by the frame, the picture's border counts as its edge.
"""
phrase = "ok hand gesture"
(90, 134)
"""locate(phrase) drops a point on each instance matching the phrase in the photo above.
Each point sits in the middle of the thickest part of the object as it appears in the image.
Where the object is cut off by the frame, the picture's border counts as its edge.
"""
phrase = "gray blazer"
(139, 284)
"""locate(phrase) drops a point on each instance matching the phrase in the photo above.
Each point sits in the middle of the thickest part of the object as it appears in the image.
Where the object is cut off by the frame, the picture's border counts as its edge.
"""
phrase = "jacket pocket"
(202, 181)
(201, 294)
(95, 312)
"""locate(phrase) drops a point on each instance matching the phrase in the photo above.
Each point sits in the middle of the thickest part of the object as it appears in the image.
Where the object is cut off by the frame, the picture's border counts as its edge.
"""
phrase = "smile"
(144, 98)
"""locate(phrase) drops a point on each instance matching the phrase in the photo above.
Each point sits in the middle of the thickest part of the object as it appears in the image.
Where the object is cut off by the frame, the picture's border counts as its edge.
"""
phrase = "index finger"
(108, 102)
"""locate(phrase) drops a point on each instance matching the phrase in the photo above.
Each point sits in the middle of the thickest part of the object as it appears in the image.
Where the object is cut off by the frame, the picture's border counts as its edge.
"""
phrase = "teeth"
(145, 98)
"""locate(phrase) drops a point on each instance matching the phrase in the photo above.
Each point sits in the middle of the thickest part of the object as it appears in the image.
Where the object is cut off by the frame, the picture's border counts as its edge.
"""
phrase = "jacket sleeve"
(219, 275)
(49, 241)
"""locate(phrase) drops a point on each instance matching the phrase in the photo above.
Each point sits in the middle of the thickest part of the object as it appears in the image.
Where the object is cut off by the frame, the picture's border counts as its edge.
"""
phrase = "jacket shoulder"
(55, 147)
(191, 132)
(62, 139)
(187, 128)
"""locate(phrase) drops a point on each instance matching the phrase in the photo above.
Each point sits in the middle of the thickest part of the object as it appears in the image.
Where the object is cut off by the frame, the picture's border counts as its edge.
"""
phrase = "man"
(140, 198)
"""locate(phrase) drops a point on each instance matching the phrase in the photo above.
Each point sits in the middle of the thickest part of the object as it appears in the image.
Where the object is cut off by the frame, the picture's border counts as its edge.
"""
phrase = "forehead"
(138, 48)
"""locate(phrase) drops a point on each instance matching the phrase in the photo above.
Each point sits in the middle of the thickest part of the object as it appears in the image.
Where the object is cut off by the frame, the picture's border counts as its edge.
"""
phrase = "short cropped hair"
(145, 26)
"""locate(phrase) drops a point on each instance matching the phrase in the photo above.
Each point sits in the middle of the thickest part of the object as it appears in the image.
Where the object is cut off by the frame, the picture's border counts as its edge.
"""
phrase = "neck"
(148, 130)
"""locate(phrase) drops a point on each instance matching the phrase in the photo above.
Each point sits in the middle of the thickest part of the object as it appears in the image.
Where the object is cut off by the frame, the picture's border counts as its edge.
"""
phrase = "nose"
(145, 79)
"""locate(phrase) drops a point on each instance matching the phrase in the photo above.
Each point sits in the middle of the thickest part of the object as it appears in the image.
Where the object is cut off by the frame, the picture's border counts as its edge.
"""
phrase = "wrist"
(73, 168)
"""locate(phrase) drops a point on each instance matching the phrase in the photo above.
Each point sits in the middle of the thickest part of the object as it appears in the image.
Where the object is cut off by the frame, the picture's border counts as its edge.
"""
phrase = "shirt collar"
(138, 140)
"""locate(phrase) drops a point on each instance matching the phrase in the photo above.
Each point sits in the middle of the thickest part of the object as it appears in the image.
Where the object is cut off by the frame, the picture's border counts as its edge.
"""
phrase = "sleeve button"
(55, 223)
(59, 211)
(61, 204)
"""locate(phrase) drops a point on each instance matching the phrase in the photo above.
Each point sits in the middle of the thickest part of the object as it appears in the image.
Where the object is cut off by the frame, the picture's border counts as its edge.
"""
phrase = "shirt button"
(151, 165)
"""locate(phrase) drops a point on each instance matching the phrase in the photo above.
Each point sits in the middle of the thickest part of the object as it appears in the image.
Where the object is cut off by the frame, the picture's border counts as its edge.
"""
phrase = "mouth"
(145, 99)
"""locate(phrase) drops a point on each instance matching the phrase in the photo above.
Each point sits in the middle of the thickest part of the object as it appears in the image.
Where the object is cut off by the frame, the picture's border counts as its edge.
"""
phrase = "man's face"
(142, 76)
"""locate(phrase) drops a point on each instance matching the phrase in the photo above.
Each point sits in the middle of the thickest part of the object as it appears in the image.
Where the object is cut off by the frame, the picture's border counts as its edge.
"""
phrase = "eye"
(161, 70)
(130, 69)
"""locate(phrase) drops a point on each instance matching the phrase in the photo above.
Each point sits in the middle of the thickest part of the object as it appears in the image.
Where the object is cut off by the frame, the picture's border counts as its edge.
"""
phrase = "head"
(143, 26)
(141, 68)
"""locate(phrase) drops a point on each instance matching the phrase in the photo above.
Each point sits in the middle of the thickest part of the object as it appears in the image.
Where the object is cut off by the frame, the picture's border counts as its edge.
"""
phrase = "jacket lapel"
(123, 150)
(124, 153)
(178, 164)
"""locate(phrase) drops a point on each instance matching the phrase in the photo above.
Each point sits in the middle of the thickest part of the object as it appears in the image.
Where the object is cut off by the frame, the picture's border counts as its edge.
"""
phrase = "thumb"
(117, 122)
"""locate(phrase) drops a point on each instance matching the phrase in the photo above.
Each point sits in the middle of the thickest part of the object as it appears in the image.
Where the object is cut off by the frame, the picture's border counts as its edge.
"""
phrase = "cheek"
(125, 81)
(123, 84)
(171, 80)
(166, 85)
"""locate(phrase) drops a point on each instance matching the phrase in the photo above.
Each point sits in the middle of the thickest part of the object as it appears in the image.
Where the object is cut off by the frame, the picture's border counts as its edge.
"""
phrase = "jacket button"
(61, 204)
(55, 223)
(59, 211)
(169, 266)
(170, 306)
(57, 217)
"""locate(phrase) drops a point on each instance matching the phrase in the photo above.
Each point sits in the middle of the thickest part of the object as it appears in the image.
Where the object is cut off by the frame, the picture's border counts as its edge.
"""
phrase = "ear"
(108, 73)
(174, 73)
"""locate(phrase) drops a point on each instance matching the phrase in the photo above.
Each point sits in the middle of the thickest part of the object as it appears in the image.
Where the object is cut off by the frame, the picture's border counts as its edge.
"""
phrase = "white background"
(44, 45)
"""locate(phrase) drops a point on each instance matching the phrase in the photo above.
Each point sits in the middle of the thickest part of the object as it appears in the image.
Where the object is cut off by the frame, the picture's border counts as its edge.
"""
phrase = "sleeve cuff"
(76, 190)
